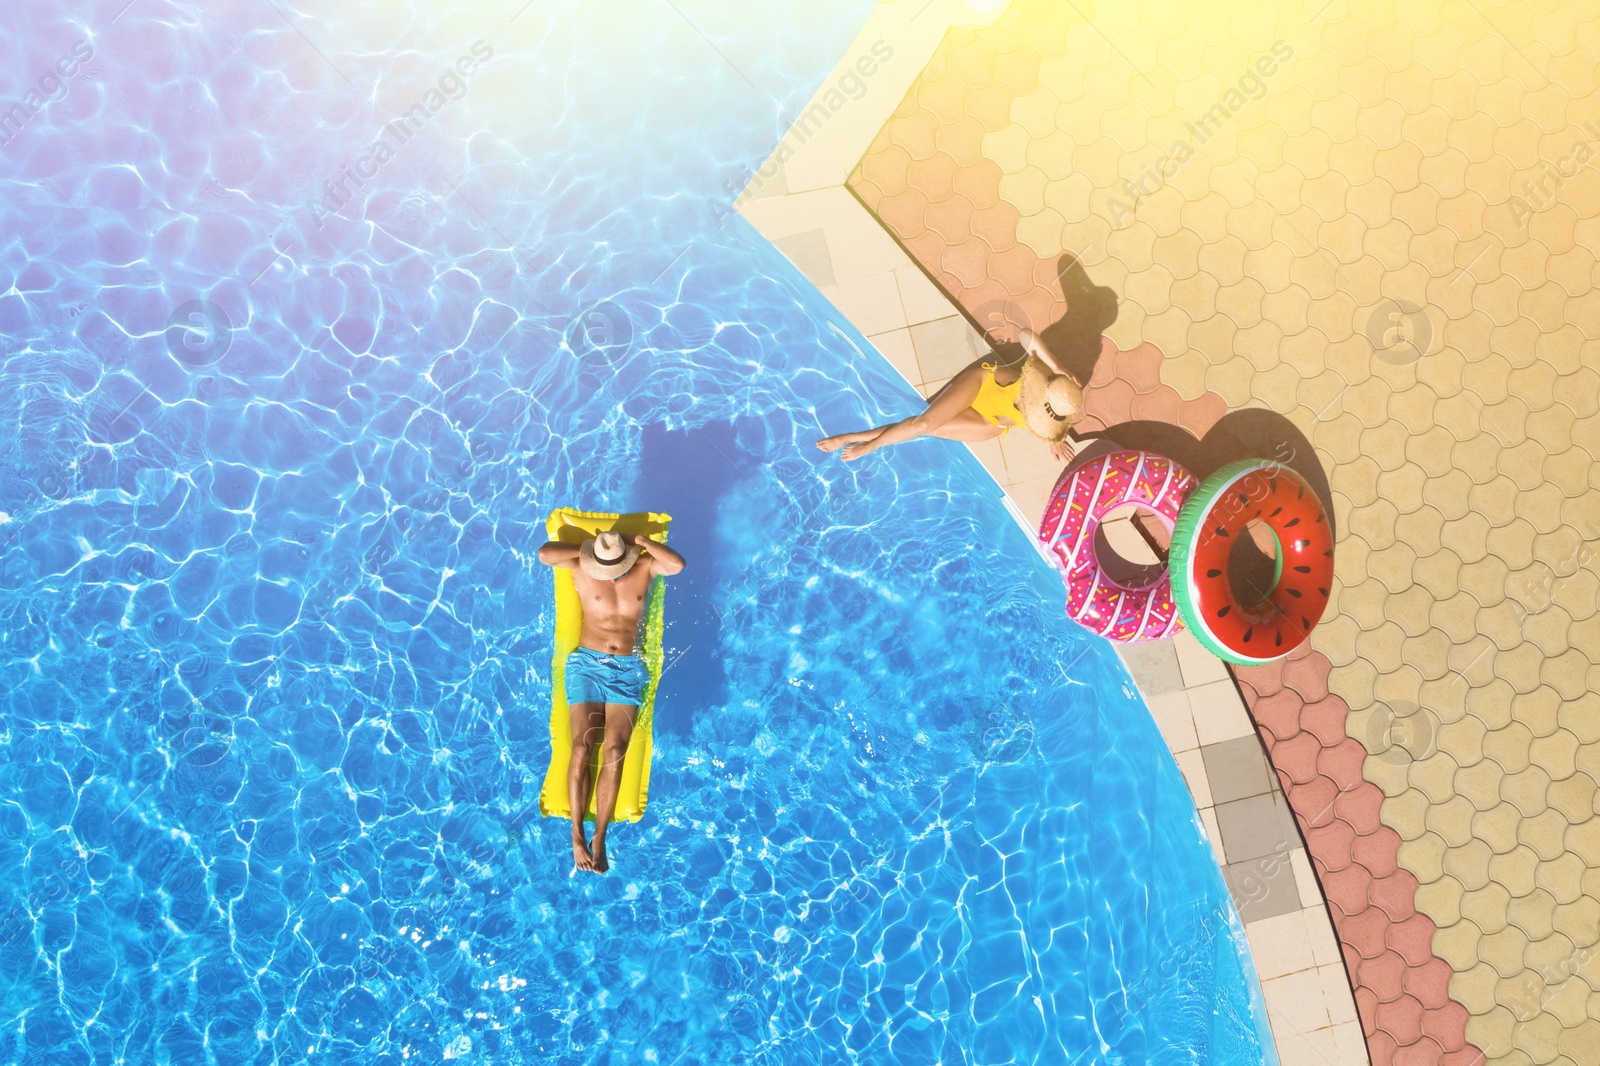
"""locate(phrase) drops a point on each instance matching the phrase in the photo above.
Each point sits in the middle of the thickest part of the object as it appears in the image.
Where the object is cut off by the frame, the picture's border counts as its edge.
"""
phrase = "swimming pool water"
(274, 673)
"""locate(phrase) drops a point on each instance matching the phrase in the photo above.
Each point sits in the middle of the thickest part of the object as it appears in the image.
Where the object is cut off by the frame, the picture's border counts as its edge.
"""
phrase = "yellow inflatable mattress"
(574, 527)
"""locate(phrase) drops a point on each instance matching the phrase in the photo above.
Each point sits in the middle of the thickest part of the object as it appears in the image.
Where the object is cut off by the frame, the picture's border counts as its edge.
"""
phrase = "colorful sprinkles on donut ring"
(1082, 499)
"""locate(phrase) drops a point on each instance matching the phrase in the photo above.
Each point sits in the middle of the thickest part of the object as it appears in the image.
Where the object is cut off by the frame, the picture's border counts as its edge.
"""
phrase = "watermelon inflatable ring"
(1211, 522)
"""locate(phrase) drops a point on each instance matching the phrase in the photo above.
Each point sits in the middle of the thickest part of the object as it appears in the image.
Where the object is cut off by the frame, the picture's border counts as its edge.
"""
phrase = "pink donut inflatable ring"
(1080, 502)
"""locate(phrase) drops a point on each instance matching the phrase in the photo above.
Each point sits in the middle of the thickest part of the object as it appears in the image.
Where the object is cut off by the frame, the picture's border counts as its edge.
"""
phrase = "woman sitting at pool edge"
(982, 402)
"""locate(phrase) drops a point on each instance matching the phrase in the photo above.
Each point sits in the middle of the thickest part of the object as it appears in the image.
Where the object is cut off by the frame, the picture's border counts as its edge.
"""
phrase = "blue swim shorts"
(596, 677)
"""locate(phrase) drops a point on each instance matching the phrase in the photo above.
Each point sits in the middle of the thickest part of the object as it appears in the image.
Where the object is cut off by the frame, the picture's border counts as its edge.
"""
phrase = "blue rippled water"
(274, 675)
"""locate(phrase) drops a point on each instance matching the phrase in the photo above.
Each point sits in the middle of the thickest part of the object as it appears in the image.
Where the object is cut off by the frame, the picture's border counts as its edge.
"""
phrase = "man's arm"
(666, 561)
(559, 553)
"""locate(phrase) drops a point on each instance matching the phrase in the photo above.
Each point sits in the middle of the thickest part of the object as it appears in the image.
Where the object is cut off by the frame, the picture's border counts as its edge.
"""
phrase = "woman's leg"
(947, 404)
(968, 425)
(955, 397)
(839, 440)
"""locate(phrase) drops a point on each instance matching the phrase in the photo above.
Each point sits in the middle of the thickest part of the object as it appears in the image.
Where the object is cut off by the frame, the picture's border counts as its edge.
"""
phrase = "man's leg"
(619, 730)
(588, 722)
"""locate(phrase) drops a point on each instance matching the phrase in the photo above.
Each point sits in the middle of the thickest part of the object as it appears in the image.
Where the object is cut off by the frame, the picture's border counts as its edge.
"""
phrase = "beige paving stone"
(1515, 870)
(1480, 984)
(1469, 865)
(1441, 899)
(1567, 999)
(1581, 717)
(1539, 710)
(1479, 783)
(1533, 913)
(1498, 828)
(1487, 908)
(1577, 918)
(1503, 950)
(1460, 945)
(1424, 856)
(1528, 790)
(1435, 777)
(1510, 747)
(1544, 834)
(1410, 609)
(1439, 573)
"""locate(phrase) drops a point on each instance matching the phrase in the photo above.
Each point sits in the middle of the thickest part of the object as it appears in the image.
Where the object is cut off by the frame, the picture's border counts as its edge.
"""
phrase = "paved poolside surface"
(1357, 237)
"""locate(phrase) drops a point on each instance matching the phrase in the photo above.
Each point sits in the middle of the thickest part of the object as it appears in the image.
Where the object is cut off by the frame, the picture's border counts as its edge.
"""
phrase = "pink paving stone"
(980, 184)
(927, 247)
(1385, 975)
(1377, 850)
(1306, 672)
(1112, 404)
(1279, 714)
(950, 218)
(1364, 931)
(1044, 275)
(1297, 757)
(1466, 1056)
(1013, 268)
(968, 261)
(1413, 939)
(1326, 719)
(1313, 801)
(983, 299)
(903, 212)
(1285, 783)
(1105, 368)
(998, 226)
(934, 177)
(1343, 762)
(1396, 894)
(1424, 1052)
(1361, 805)
(1401, 1019)
(1199, 416)
(1037, 306)
(1162, 405)
(1141, 368)
(1334, 843)
(1381, 1044)
(1447, 1023)
(1264, 680)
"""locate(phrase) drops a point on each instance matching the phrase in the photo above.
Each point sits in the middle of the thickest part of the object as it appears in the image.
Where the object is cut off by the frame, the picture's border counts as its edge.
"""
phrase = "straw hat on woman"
(984, 401)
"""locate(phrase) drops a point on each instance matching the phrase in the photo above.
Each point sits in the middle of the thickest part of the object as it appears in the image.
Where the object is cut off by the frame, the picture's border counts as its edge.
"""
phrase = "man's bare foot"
(839, 440)
(600, 865)
(580, 854)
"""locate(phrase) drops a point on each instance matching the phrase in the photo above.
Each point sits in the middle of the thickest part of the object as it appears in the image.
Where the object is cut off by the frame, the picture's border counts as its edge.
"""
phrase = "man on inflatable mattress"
(612, 574)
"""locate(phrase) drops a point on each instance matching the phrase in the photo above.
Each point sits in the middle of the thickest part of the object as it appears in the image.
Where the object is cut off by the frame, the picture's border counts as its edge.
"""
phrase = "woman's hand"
(1063, 450)
(1035, 347)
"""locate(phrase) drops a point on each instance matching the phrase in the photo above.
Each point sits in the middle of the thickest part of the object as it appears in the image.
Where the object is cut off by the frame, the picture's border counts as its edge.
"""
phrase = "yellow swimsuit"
(998, 401)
